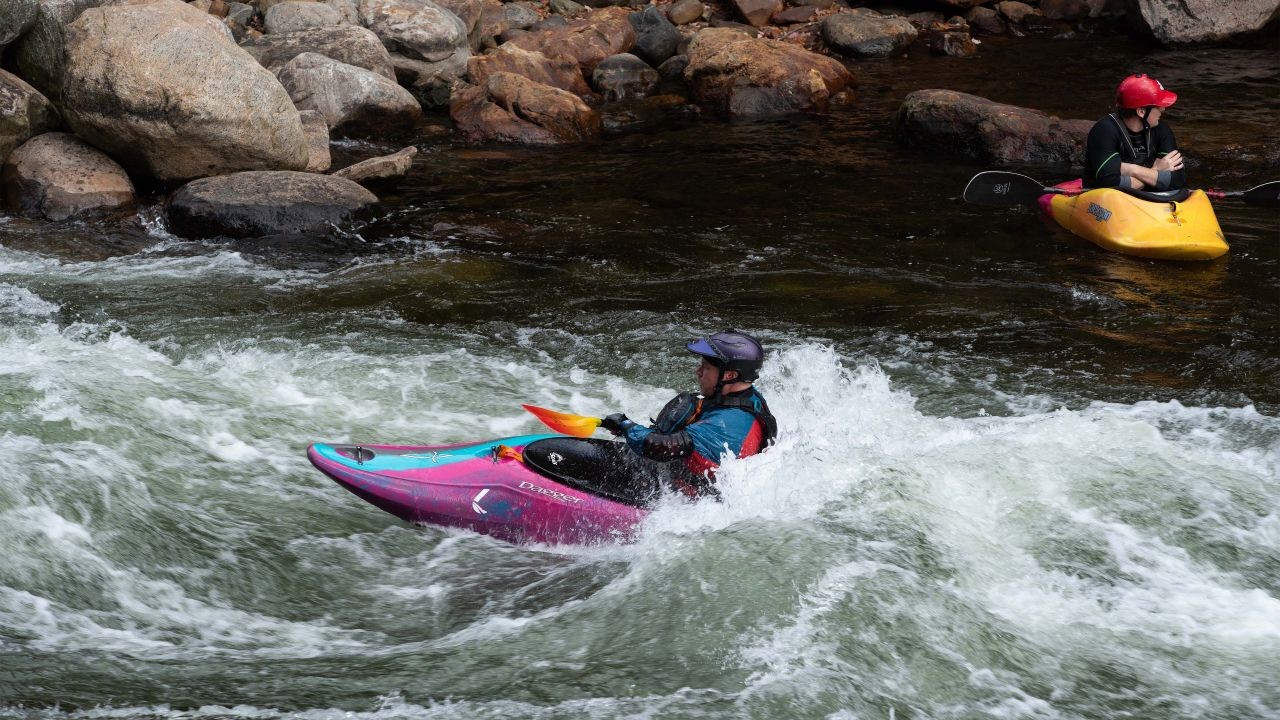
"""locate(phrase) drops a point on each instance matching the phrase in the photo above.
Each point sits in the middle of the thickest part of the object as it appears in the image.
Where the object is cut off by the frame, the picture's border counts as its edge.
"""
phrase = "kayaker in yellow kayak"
(1131, 148)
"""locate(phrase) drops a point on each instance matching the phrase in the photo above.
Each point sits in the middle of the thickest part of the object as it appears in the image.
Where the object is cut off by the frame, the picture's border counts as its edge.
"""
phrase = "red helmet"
(1142, 90)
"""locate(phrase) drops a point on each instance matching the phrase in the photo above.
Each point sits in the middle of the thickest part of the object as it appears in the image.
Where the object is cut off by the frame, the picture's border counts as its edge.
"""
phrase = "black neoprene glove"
(614, 423)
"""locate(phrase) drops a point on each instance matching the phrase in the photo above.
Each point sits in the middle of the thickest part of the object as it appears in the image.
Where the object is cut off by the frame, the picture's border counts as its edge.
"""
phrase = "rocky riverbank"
(228, 109)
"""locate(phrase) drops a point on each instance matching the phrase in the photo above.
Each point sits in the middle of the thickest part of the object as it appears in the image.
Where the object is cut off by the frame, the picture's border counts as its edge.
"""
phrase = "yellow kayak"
(1166, 230)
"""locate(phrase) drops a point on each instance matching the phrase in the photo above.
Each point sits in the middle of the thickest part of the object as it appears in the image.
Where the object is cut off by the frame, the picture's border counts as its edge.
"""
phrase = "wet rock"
(647, 113)
(170, 97)
(963, 4)
(353, 101)
(1014, 11)
(56, 176)
(380, 169)
(16, 17)
(925, 18)
(656, 37)
(511, 108)
(683, 12)
(567, 8)
(673, 69)
(868, 35)
(520, 15)
(344, 43)
(757, 12)
(989, 131)
(795, 15)
(1068, 10)
(257, 204)
(24, 113)
(317, 131)
(986, 21)
(560, 72)
(290, 16)
(421, 30)
(955, 43)
(588, 41)
(1173, 22)
(624, 76)
(753, 77)
(1100, 8)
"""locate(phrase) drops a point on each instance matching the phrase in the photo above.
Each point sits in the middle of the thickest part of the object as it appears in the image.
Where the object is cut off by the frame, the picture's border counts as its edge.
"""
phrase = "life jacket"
(1130, 153)
(686, 408)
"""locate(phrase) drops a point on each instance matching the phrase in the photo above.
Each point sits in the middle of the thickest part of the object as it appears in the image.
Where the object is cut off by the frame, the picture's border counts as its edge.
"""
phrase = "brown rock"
(795, 15)
(986, 21)
(753, 77)
(588, 41)
(868, 34)
(515, 109)
(317, 131)
(989, 131)
(1069, 10)
(757, 12)
(375, 170)
(56, 176)
(964, 4)
(1014, 11)
(955, 43)
(683, 12)
(559, 72)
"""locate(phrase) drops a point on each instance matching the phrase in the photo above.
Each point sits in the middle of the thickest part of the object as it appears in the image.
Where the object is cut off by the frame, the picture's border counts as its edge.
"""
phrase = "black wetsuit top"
(1110, 143)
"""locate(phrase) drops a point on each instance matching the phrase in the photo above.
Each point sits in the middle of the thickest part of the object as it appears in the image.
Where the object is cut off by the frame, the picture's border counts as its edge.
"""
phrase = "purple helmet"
(731, 350)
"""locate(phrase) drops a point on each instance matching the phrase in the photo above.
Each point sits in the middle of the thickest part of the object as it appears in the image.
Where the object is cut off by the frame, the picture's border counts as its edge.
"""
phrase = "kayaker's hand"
(614, 423)
(1171, 162)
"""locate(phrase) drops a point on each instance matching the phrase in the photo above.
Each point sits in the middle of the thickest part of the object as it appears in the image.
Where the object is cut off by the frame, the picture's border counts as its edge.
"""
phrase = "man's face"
(707, 375)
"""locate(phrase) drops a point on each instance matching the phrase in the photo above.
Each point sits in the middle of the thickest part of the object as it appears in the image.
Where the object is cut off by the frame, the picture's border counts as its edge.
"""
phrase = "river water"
(1019, 477)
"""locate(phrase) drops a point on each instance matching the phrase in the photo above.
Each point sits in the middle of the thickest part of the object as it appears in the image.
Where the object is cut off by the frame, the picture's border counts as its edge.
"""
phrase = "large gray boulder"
(301, 15)
(344, 43)
(656, 38)
(24, 113)
(868, 34)
(56, 176)
(16, 17)
(172, 98)
(624, 76)
(39, 55)
(1174, 22)
(352, 100)
(420, 30)
(256, 204)
(989, 131)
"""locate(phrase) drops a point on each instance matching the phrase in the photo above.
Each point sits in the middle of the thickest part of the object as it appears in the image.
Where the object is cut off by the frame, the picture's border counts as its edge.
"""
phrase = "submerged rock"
(56, 176)
(989, 131)
(255, 204)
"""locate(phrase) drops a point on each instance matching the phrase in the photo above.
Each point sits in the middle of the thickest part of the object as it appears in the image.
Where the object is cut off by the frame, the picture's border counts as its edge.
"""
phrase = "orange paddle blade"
(575, 425)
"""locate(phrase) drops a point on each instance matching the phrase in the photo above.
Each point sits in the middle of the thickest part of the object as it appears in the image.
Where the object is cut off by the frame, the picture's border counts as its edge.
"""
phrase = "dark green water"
(1020, 477)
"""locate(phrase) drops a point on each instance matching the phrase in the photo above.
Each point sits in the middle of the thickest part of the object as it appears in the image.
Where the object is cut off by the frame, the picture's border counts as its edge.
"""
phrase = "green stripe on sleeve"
(1104, 164)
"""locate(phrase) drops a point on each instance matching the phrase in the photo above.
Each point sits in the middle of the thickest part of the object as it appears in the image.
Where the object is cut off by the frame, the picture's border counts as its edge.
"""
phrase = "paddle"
(575, 425)
(994, 187)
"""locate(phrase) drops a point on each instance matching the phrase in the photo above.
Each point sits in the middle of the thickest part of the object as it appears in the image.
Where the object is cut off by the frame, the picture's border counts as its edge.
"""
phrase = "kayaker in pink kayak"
(729, 416)
(1132, 148)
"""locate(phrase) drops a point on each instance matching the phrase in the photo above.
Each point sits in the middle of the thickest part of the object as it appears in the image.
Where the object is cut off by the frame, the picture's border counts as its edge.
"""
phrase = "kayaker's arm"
(655, 445)
(1169, 158)
(1102, 163)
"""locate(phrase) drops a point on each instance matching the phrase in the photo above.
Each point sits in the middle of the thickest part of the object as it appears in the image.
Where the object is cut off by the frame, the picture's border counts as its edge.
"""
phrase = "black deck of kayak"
(600, 467)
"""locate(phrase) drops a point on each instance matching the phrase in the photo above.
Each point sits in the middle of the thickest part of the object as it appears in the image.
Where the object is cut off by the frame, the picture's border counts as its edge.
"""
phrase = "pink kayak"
(530, 488)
